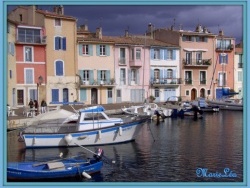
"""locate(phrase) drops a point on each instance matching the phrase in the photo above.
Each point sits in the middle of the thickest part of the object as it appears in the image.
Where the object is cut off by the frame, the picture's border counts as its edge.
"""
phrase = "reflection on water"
(170, 151)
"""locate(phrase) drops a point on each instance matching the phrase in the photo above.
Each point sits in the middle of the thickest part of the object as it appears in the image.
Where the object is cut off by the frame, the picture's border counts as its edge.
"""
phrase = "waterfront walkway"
(20, 119)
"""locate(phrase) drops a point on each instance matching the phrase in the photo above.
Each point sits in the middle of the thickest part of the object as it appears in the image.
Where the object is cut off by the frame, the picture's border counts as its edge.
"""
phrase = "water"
(172, 151)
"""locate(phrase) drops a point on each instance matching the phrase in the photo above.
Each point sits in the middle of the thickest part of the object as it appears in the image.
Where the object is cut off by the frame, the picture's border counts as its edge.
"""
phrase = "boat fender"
(99, 135)
(68, 138)
(120, 131)
(86, 175)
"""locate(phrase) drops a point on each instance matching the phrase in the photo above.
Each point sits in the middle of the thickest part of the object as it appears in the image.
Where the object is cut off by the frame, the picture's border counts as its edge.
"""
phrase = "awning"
(195, 50)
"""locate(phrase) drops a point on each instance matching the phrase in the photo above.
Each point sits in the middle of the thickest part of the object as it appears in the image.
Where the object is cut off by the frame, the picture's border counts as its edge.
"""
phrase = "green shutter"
(83, 94)
(107, 50)
(98, 50)
(90, 49)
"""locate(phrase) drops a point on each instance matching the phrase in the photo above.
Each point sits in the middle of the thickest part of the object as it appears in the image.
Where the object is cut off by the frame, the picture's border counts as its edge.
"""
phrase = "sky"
(114, 20)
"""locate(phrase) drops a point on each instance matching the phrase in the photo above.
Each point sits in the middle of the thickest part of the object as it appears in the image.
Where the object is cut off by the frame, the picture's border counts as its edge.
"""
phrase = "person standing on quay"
(43, 106)
(31, 104)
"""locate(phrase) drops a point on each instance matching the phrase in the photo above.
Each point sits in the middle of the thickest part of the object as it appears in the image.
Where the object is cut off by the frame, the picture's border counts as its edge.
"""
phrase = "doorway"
(94, 96)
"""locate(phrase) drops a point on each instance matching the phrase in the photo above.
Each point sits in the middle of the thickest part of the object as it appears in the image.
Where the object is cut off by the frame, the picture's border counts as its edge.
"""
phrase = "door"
(110, 96)
(20, 97)
(193, 94)
(169, 93)
(94, 96)
(65, 95)
(118, 96)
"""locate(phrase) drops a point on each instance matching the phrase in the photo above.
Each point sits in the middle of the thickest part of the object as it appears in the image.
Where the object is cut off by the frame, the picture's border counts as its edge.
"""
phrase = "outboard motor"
(99, 154)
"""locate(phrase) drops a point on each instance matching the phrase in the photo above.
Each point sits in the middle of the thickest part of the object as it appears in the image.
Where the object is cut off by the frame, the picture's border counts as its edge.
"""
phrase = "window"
(222, 79)
(169, 73)
(29, 76)
(202, 77)
(122, 56)
(85, 76)
(187, 92)
(133, 75)
(188, 58)
(123, 76)
(55, 95)
(102, 50)
(223, 44)
(170, 54)
(60, 43)
(57, 22)
(59, 68)
(29, 35)
(103, 75)
(28, 51)
(10, 72)
(188, 77)
(199, 57)
(20, 17)
(223, 58)
(33, 94)
(132, 54)
(11, 48)
(156, 74)
(156, 53)
(188, 38)
(85, 49)
(110, 93)
(157, 93)
(138, 54)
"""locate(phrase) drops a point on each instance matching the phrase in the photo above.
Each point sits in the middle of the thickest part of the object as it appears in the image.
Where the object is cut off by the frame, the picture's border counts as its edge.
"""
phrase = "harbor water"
(174, 150)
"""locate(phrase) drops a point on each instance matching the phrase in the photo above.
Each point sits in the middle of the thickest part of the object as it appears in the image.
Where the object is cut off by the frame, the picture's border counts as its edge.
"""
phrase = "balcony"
(31, 39)
(225, 48)
(197, 62)
(135, 63)
(97, 83)
(122, 61)
(165, 82)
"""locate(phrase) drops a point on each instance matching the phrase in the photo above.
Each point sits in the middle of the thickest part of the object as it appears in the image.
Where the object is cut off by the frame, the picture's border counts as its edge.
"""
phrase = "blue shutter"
(91, 50)
(108, 76)
(165, 54)
(174, 54)
(161, 74)
(83, 95)
(64, 43)
(152, 53)
(165, 71)
(91, 76)
(57, 43)
(227, 59)
(152, 74)
(80, 49)
(220, 58)
(98, 76)
(138, 77)
(107, 50)
(81, 74)
(197, 39)
(161, 54)
(98, 50)
(174, 74)
(59, 68)
(29, 76)
(55, 95)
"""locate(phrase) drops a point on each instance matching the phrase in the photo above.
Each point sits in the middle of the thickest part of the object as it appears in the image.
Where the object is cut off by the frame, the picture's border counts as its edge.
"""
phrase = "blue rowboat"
(53, 169)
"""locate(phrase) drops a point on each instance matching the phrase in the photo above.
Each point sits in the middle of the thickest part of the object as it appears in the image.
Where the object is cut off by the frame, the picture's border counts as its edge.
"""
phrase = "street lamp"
(40, 81)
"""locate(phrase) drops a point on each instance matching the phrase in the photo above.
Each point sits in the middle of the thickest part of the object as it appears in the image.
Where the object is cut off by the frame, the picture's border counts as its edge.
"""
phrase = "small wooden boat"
(54, 169)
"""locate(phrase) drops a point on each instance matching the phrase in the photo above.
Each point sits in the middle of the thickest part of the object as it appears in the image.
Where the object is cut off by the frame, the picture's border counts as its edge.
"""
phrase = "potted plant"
(151, 98)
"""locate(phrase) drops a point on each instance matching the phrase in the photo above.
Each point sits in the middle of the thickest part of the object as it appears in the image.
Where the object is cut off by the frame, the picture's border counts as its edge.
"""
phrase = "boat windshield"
(93, 116)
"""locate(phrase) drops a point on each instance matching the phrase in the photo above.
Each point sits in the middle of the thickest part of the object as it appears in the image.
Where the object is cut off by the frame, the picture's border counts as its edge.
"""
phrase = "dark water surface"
(175, 150)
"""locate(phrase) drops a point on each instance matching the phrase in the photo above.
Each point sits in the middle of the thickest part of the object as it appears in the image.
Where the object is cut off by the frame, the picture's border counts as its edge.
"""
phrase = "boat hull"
(26, 170)
(109, 135)
(227, 106)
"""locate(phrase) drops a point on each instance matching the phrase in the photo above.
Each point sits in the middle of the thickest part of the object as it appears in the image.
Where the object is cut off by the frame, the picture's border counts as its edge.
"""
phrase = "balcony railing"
(197, 62)
(188, 81)
(98, 82)
(225, 48)
(203, 82)
(165, 81)
(240, 65)
(31, 39)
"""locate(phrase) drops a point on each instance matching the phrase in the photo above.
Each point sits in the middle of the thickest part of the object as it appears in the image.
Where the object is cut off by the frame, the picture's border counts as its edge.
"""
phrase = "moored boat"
(62, 168)
(228, 104)
(93, 127)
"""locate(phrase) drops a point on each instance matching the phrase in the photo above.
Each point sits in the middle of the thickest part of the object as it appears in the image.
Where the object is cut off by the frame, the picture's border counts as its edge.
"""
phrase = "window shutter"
(64, 43)
(193, 39)
(205, 39)
(137, 77)
(108, 76)
(83, 94)
(90, 50)
(29, 76)
(91, 76)
(165, 54)
(152, 74)
(57, 43)
(80, 49)
(55, 95)
(227, 59)
(80, 72)
(152, 53)
(220, 58)
(165, 71)
(98, 76)
(161, 74)
(174, 54)
(184, 38)
(98, 50)
(59, 68)
(161, 54)
(107, 50)
(174, 73)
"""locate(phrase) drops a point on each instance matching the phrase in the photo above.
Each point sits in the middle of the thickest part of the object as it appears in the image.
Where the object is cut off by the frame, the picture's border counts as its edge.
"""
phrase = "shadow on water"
(173, 150)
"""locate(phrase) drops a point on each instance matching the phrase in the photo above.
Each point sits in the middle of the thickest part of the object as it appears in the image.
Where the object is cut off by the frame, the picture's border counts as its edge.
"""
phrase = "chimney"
(205, 30)
(126, 33)
(99, 33)
(199, 28)
(59, 10)
(221, 33)
(84, 27)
